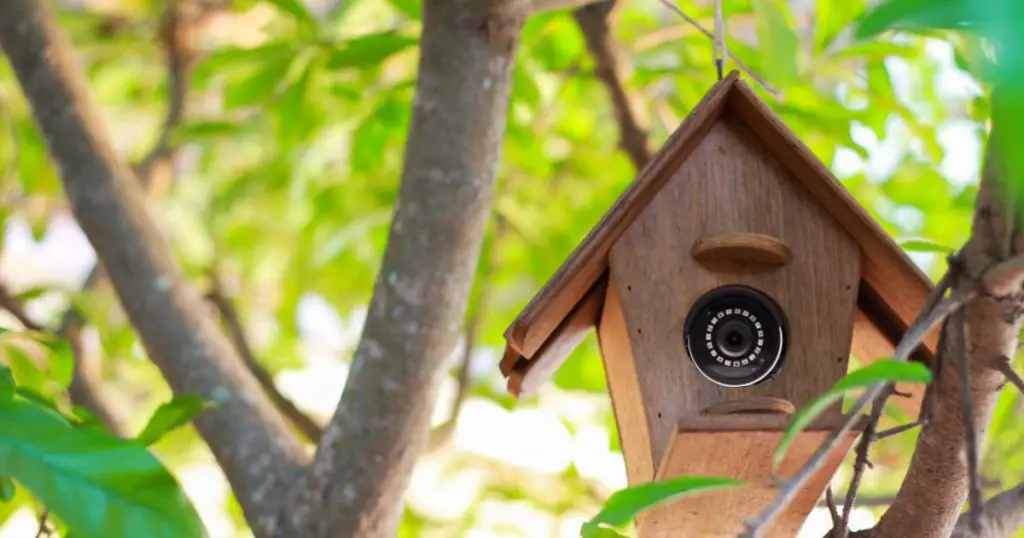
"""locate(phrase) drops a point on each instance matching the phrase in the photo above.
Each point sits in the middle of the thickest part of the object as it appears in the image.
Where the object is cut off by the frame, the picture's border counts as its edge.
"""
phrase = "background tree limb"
(367, 453)
(309, 427)
(250, 439)
(178, 28)
(595, 21)
(86, 384)
(1003, 515)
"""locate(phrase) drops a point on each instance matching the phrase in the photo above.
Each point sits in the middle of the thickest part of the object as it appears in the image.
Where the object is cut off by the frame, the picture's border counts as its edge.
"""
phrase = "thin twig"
(739, 63)
(830, 502)
(11, 304)
(44, 524)
(958, 349)
(177, 33)
(925, 321)
(595, 24)
(861, 462)
(1004, 516)
(1011, 375)
(86, 388)
(896, 430)
(868, 501)
(309, 427)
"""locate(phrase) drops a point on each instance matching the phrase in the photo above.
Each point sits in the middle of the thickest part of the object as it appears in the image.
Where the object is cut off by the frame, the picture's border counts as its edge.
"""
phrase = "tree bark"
(595, 22)
(257, 451)
(935, 487)
(1003, 516)
(368, 450)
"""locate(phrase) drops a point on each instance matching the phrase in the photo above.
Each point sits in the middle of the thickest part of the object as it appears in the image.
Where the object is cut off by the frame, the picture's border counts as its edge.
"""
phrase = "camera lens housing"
(736, 336)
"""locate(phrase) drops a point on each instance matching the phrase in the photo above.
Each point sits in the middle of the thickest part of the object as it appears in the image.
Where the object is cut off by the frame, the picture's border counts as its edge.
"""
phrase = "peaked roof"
(892, 290)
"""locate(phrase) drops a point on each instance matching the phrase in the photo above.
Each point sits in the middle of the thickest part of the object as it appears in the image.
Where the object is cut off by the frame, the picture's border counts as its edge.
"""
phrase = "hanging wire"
(725, 53)
(719, 51)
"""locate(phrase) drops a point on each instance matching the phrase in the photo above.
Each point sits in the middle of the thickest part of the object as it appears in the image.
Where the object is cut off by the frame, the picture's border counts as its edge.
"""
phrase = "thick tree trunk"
(935, 488)
(256, 449)
(367, 453)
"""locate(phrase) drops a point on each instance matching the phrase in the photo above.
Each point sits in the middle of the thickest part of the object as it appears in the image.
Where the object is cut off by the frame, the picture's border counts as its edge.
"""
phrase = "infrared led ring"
(736, 336)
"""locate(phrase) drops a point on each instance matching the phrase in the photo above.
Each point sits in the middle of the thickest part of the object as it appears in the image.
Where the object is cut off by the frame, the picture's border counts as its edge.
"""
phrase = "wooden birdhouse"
(729, 285)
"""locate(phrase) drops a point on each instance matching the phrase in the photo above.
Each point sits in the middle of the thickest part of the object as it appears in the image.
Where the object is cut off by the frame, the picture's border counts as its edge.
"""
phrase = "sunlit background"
(295, 218)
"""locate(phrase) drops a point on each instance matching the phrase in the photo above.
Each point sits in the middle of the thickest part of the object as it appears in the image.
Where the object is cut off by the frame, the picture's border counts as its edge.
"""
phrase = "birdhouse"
(729, 285)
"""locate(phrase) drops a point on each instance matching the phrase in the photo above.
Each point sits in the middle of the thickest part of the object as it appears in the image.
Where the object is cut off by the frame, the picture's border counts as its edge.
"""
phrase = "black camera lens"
(736, 336)
(735, 339)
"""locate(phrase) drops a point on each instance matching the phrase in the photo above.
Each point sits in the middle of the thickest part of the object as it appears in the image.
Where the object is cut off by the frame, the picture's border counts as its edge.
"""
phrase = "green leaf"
(1007, 108)
(24, 367)
(624, 505)
(877, 372)
(6, 382)
(777, 38)
(874, 50)
(258, 87)
(230, 61)
(293, 116)
(600, 532)
(296, 9)
(830, 17)
(199, 130)
(171, 415)
(369, 50)
(917, 15)
(37, 397)
(924, 245)
(376, 132)
(101, 486)
(85, 418)
(411, 8)
(62, 362)
(6, 489)
(32, 293)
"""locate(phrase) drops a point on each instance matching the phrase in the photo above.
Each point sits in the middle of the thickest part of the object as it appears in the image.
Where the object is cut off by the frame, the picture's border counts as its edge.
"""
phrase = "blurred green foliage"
(291, 153)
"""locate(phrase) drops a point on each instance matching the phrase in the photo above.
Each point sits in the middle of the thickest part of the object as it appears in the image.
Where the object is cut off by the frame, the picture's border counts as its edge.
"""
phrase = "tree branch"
(362, 466)
(1003, 515)
(867, 501)
(251, 441)
(178, 29)
(1005, 368)
(595, 23)
(310, 428)
(860, 463)
(936, 308)
(970, 439)
(896, 430)
(87, 391)
(935, 487)
(12, 305)
(830, 503)
(86, 388)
